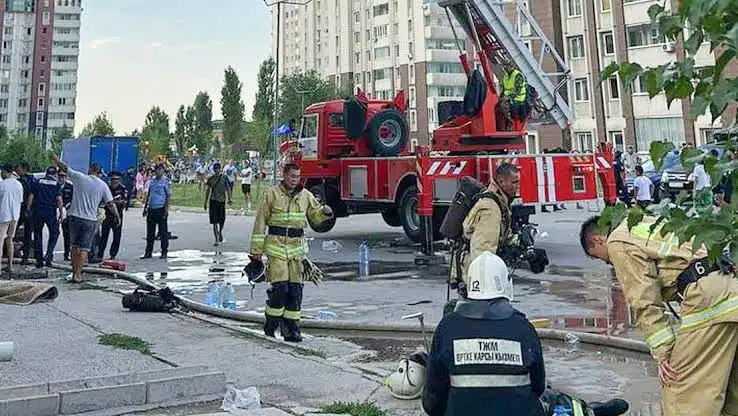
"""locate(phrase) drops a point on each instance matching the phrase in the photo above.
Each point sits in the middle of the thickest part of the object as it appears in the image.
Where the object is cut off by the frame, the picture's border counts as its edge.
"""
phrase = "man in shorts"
(246, 177)
(216, 193)
(89, 192)
(230, 173)
(11, 195)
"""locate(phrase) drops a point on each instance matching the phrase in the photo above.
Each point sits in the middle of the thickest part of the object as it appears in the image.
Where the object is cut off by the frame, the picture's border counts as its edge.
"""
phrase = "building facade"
(38, 68)
(383, 46)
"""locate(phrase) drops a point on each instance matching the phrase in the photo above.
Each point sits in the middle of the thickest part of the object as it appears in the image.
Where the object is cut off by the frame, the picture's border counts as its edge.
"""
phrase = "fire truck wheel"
(409, 214)
(391, 217)
(388, 133)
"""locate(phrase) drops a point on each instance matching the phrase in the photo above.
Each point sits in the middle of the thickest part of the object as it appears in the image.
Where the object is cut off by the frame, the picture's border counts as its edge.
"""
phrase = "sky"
(135, 54)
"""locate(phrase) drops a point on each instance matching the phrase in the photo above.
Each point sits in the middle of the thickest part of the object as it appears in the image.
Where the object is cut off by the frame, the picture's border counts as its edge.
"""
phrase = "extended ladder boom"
(486, 22)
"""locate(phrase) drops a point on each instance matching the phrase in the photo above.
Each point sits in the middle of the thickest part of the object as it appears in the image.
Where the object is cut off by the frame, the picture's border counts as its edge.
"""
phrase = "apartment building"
(382, 46)
(598, 32)
(38, 68)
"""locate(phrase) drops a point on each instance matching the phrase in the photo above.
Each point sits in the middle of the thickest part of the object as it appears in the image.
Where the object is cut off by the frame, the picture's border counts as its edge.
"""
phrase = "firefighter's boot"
(291, 316)
(276, 297)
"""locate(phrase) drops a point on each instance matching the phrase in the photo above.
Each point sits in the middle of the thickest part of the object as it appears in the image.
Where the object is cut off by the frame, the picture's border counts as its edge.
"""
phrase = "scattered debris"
(420, 302)
(235, 399)
(327, 315)
(572, 341)
(331, 245)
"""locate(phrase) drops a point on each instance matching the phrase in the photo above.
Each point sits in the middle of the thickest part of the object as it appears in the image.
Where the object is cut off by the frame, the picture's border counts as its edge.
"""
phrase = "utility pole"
(302, 95)
(275, 122)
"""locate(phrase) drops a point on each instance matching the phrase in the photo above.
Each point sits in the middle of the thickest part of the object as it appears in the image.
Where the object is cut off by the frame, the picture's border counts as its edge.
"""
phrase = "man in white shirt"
(246, 177)
(642, 188)
(702, 181)
(89, 192)
(11, 196)
(631, 160)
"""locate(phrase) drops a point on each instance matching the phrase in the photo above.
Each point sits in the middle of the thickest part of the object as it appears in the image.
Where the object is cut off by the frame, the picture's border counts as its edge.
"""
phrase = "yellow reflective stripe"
(660, 337)
(292, 315)
(274, 311)
(667, 243)
(283, 252)
(257, 243)
(577, 407)
(708, 314)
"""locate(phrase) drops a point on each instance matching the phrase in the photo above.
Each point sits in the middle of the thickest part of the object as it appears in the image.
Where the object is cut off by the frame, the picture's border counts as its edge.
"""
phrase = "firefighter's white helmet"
(408, 381)
(489, 279)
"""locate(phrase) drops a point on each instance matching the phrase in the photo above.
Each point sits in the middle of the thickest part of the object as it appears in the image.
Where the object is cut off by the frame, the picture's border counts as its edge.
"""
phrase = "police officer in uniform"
(66, 194)
(45, 207)
(279, 234)
(487, 226)
(486, 358)
(698, 364)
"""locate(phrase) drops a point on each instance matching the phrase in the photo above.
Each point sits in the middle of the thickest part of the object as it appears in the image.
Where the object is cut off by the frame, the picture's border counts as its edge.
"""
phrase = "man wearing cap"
(156, 211)
(89, 192)
(45, 206)
(11, 195)
(120, 200)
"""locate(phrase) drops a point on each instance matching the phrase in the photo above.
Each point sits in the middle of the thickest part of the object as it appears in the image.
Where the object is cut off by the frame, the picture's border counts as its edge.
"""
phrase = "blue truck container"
(113, 153)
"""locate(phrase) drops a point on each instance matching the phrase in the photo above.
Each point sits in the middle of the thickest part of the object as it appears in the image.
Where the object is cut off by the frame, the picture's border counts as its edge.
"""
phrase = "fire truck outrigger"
(354, 155)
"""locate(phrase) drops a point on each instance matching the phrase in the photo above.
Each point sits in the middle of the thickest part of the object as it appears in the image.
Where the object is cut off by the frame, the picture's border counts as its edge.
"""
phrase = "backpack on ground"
(150, 300)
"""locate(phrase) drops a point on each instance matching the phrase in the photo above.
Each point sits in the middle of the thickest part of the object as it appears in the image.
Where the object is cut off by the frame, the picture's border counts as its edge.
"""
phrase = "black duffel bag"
(150, 300)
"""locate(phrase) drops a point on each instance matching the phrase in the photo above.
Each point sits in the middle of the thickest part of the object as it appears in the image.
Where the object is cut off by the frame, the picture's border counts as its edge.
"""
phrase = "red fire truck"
(354, 153)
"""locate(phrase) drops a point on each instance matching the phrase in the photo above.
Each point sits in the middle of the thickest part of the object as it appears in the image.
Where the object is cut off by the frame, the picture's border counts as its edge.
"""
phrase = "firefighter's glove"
(538, 260)
(311, 272)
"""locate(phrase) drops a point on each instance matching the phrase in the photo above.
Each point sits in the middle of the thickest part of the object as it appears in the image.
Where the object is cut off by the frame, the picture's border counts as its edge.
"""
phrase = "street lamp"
(302, 95)
(278, 3)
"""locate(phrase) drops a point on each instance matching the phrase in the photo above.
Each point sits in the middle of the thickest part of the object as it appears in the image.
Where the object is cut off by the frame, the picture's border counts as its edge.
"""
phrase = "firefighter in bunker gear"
(279, 234)
(514, 94)
(486, 358)
(487, 225)
(698, 365)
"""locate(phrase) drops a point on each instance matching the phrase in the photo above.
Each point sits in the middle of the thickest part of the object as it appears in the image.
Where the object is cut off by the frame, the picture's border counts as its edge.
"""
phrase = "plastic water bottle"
(212, 297)
(363, 259)
(229, 296)
(561, 410)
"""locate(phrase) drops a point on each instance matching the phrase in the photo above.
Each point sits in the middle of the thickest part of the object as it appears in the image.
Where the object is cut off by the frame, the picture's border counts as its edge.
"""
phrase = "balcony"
(636, 12)
(64, 65)
(439, 32)
(66, 37)
(442, 55)
(61, 51)
(453, 79)
(66, 23)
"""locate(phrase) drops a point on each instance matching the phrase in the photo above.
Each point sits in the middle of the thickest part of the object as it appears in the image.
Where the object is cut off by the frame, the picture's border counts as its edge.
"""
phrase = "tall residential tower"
(38, 68)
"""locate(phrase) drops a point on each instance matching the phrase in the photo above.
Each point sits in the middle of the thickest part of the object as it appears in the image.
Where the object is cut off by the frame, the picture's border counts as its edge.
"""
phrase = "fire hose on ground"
(251, 317)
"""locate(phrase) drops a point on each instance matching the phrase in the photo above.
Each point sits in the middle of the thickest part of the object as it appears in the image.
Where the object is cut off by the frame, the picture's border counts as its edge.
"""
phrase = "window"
(46, 18)
(608, 43)
(25, 73)
(8, 31)
(26, 59)
(309, 135)
(445, 91)
(22, 102)
(380, 31)
(6, 59)
(614, 88)
(357, 57)
(4, 103)
(368, 56)
(357, 37)
(41, 102)
(581, 89)
(368, 35)
(6, 44)
(616, 137)
(28, 31)
(605, 5)
(357, 17)
(4, 88)
(445, 67)
(368, 14)
(639, 86)
(357, 78)
(450, 44)
(381, 9)
(576, 47)
(574, 7)
(397, 50)
(583, 142)
(22, 118)
(413, 121)
(384, 94)
(383, 52)
(396, 29)
(384, 73)
(42, 74)
(41, 88)
(335, 120)
(644, 35)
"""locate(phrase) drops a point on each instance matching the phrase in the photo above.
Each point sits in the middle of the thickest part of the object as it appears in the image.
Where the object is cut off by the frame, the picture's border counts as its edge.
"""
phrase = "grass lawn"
(188, 195)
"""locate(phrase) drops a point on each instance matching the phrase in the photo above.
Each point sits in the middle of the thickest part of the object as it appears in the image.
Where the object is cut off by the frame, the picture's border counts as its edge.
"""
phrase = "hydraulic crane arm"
(487, 24)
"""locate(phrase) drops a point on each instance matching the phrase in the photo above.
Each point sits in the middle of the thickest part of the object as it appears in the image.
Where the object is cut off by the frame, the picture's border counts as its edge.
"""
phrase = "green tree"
(709, 87)
(58, 137)
(232, 107)
(202, 120)
(297, 91)
(156, 131)
(258, 135)
(24, 148)
(264, 101)
(99, 126)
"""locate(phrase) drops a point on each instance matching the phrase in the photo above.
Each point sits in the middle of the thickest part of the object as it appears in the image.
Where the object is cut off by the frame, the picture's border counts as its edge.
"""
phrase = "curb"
(114, 395)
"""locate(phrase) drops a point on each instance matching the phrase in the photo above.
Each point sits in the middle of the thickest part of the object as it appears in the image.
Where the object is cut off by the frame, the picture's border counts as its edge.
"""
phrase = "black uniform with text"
(46, 200)
(26, 220)
(120, 200)
(486, 359)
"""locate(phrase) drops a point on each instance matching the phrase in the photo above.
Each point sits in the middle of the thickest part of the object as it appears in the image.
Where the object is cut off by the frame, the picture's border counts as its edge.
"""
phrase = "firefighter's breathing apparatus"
(699, 269)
